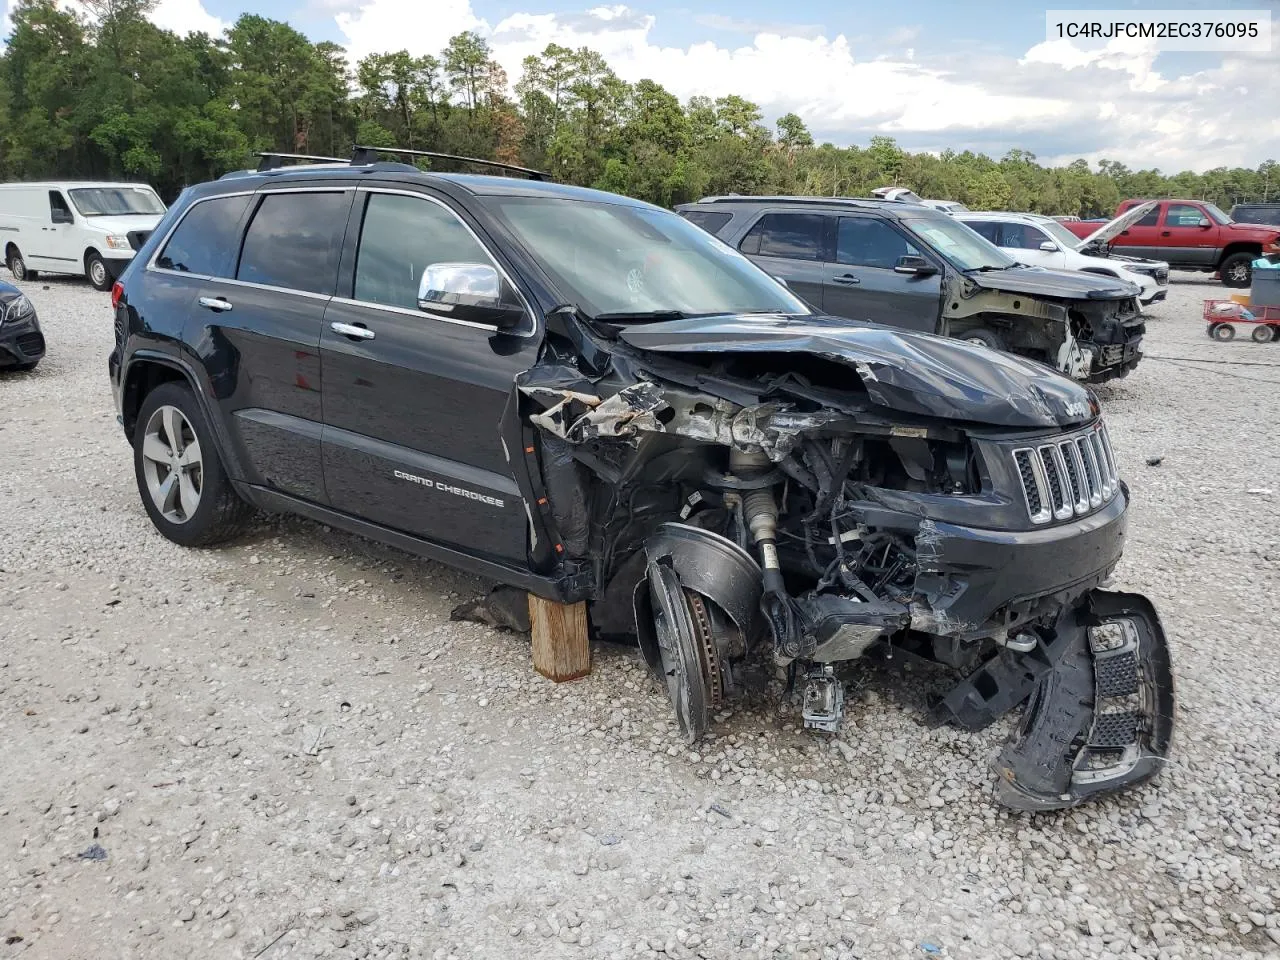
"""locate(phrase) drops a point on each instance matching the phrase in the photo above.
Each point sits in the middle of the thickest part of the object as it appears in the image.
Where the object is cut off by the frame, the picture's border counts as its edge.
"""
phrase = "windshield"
(965, 248)
(1061, 235)
(613, 258)
(1216, 213)
(115, 201)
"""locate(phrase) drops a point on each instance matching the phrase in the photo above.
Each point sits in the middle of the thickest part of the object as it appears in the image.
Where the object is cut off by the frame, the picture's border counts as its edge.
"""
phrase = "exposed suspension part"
(760, 512)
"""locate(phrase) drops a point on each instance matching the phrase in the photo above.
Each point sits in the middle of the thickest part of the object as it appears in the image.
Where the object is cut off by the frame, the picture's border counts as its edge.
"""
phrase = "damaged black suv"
(589, 398)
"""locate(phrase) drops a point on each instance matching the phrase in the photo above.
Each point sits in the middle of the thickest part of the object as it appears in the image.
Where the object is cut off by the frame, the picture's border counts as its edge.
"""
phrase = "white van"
(75, 227)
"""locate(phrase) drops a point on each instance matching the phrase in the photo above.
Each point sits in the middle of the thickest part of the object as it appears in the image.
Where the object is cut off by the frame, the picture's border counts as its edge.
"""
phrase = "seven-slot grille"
(1068, 477)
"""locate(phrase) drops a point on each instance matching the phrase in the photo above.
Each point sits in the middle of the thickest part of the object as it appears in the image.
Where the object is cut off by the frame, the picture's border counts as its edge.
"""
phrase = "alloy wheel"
(172, 464)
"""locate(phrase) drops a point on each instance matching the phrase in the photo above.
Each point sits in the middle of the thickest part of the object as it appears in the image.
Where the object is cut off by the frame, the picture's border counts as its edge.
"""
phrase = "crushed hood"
(1113, 228)
(1053, 284)
(908, 372)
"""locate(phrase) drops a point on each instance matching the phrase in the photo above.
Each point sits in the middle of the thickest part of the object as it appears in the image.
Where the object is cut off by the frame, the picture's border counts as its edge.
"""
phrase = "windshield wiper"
(988, 268)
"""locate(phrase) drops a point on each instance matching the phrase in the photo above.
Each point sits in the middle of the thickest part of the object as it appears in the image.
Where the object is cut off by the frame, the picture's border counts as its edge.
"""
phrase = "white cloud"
(187, 16)
(1059, 100)
(378, 26)
(180, 16)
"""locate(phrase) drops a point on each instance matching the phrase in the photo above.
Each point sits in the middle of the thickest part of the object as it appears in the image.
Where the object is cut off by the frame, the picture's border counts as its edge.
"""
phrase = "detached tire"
(18, 266)
(1224, 332)
(96, 272)
(1237, 270)
(984, 338)
(183, 486)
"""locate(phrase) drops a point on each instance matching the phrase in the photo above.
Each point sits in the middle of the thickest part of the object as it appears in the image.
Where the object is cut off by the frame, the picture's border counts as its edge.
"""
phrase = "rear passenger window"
(1151, 219)
(400, 238)
(293, 241)
(708, 220)
(990, 229)
(792, 236)
(205, 241)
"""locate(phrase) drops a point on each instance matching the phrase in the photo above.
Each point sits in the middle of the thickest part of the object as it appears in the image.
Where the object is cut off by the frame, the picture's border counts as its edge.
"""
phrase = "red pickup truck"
(1192, 235)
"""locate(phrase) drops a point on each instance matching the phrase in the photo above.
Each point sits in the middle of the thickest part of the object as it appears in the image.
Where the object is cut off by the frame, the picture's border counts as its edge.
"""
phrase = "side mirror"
(61, 216)
(782, 280)
(915, 266)
(1203, 224)
(471, 292)
(1049, 247)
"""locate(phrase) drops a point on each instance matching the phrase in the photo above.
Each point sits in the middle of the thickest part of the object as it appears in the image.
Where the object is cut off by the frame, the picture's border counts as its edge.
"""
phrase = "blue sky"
(932, 74)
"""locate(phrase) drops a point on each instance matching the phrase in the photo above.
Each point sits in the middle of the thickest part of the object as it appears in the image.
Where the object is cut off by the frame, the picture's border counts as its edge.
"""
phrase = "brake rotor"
(680, 650)
(710, 654)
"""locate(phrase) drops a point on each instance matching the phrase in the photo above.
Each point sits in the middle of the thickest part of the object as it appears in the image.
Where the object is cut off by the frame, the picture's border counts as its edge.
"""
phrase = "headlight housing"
(117, 242)
(19, 308)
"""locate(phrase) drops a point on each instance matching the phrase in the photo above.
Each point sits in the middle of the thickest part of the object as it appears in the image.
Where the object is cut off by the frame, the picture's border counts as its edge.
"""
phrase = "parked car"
(1042, 241)
(907, 266)
(588, 398)
(75, 227)
(1193, 235)
(1264, 213)
(21, 342)
(910, 196)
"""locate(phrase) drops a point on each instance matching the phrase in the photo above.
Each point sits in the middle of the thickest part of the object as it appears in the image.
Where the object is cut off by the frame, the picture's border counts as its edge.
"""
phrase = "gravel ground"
(284, 748)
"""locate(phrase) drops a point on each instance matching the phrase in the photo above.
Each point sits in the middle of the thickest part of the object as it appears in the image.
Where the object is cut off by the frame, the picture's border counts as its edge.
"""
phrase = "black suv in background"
(591, 399)
(1264, 213)
(906, 265)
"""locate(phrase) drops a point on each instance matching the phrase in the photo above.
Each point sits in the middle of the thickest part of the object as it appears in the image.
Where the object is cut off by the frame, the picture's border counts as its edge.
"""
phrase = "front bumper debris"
(1100, 718)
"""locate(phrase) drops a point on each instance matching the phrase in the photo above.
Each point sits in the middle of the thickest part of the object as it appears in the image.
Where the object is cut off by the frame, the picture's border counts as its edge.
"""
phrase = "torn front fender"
(1102, 718)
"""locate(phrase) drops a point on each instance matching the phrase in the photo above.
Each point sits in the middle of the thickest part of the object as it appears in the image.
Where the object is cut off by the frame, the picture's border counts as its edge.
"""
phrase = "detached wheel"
(1223, 332)
(181, 481)
(1263, 333)
(1237, 270)
(984, 338)
(95, 270)
(18, 266)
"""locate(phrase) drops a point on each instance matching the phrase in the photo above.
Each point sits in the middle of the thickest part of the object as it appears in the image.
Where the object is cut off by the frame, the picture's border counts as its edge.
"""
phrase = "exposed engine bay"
(955, 510)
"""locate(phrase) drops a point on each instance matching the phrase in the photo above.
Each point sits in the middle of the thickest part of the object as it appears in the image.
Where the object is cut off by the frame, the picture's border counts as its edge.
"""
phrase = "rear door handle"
(1165, 233)
(351, 330)
(215, 303)
(847, 279)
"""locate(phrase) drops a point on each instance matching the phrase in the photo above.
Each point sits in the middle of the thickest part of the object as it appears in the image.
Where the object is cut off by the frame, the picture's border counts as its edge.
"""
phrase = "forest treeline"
(111, 95)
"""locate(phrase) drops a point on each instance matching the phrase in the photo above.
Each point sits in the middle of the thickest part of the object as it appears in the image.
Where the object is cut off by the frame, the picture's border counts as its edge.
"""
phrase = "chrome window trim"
(392, 308)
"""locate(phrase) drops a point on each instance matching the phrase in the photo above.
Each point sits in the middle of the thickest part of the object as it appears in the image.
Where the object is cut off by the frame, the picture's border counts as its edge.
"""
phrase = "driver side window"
(59, 212)
(401, 236)
(1183, 215)
(1021, 236)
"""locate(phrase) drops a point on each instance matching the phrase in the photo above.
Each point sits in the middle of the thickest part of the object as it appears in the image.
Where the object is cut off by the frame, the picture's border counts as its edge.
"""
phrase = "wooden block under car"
(561, 641)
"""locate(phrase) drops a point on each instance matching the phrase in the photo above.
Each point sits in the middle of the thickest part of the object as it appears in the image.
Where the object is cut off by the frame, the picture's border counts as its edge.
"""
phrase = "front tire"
(96, 272)
(1237, 270)
(983, 338)
(18, 266)
(183, 486)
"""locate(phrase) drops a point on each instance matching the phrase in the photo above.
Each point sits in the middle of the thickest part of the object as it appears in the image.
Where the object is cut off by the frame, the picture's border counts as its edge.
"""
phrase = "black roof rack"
(272, 161)
(852, 201)
(364, 155)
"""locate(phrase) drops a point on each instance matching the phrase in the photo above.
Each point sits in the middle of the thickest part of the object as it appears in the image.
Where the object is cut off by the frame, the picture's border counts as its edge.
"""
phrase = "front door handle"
(351, 330)
(848, 279)
(215, 303)
(1165, 233)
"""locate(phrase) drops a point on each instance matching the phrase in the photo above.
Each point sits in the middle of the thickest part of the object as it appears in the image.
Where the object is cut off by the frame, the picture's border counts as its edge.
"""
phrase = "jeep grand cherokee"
(589, 398)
